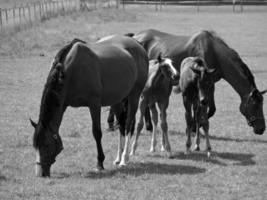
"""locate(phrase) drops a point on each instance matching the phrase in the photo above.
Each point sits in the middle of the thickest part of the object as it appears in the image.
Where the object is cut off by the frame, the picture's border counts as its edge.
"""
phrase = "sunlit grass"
(237, 169)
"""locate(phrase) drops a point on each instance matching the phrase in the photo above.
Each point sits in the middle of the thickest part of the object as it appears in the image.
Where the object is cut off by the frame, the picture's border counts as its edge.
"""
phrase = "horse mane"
(52, 91)
(206, 40)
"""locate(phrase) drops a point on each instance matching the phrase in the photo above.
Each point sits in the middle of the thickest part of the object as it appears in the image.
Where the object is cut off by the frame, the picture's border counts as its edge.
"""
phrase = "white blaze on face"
(38, 168)
(168, 62)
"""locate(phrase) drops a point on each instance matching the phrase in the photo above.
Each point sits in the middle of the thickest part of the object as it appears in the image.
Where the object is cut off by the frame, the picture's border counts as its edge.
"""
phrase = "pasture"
(237, 169)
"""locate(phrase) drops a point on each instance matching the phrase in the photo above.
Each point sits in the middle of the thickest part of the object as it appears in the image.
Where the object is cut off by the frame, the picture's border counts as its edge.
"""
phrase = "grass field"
(237, 169)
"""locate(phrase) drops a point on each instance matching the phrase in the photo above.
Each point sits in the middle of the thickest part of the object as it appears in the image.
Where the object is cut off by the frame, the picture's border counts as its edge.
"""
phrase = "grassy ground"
(237, 169)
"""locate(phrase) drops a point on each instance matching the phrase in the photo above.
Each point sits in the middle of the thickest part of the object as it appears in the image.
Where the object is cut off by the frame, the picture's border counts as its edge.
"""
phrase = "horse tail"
(129, 34)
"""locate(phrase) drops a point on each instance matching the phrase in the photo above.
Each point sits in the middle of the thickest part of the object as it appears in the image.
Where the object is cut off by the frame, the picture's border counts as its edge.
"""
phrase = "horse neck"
(233, 73)
(52, 107)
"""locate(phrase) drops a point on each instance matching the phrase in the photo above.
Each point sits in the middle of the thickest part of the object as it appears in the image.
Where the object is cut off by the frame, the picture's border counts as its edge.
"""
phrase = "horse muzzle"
(42, 170)
(259, 131)
(258, 126)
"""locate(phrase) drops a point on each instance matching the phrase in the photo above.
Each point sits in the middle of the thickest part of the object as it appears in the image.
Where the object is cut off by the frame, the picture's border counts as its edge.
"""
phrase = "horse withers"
(162, 75)
(101, 74)
(195, 83)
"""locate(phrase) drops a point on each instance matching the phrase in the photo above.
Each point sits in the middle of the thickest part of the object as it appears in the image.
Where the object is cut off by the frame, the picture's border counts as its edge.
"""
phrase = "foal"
(195, 81)
(157, 90)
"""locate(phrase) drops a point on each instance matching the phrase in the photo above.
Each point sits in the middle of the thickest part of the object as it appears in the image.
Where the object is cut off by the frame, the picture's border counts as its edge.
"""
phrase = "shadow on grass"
(137, 169)
(2, 178)
(259, 71)
(220, 138)
(242, 159)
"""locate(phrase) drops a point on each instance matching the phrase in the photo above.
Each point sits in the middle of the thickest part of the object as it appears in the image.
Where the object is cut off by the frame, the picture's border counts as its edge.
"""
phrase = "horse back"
(156, 42)
(107, 71)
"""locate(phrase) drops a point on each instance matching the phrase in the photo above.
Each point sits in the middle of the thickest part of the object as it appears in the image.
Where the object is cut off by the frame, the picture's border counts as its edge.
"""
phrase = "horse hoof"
(116, 162)
(152, 150)
(163, 149)
(122, 164)
(187, 152)
(209, 154)
(132, 153)
(169, 155)
(99, 169)
(197, 148)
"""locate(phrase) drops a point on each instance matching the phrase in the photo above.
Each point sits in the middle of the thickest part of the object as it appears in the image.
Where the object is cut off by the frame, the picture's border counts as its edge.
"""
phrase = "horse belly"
(118, 79)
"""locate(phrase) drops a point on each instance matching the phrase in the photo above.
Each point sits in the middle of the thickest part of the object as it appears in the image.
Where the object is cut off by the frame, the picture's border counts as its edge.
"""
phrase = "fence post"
(29, 13)
(19, 14)
(6, 16)
(123, 6)
(1, 21)
(63, 9)
(24, 12)
(242, 5)
(14, 15)
(40, 10)
(117, 4)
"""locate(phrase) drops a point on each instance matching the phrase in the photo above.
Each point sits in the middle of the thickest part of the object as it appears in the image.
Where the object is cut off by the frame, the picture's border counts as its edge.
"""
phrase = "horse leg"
(211, 102)
(189, 122)
(133, 101)
(164, 127)
(110, 120)
(120, 115)
(140, 125)
(96, 117)
(155, 125)
(206, 130)
(197, 121)
(197, 148)
(149, 126)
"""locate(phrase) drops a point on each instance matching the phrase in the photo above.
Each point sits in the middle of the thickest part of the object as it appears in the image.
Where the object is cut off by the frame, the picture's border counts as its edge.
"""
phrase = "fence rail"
(26, 14)
(160, 3)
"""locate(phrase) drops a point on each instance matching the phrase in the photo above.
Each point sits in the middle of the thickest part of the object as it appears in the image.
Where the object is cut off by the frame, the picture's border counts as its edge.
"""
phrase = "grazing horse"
(195, 81)
(157, 91)
(218, 54)
(101, 74)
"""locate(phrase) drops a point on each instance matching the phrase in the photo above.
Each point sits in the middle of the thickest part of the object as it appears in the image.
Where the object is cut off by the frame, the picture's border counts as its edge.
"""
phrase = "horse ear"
(263, 92)
(254, 92)
(211, 71)
(196, 70)
(59, 67)
(33, 123)
(160, 57)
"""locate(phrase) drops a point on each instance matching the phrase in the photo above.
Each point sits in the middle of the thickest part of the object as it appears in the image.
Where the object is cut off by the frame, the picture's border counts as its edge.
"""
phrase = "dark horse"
(218, 54)
(101, 74)
(195, 81)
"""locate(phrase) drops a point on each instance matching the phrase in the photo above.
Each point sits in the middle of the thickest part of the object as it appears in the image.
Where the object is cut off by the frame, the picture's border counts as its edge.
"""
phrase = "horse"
(195, 81)
(216, 53)
(157, 90)
(102, 74)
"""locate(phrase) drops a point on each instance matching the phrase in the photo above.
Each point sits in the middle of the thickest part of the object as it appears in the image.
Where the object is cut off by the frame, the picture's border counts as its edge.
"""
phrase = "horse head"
(204, 78)
(48, 145)
(252, 108)
(167, 68)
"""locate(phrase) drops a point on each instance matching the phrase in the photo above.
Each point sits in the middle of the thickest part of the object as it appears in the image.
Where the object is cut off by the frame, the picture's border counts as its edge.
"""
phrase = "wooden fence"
(160, 3)
(27, 14)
